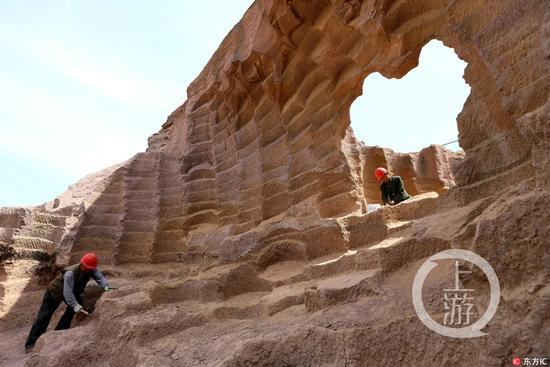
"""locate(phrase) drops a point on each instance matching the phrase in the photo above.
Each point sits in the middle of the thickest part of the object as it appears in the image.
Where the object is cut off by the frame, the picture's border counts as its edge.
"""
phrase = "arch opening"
(409, 125)
(420, 109)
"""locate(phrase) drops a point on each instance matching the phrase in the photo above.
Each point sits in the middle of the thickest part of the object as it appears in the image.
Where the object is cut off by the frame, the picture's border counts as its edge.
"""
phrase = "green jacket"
(393, 190)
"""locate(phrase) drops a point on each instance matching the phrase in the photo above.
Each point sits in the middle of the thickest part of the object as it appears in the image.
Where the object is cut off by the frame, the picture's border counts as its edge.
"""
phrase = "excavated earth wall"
(241, 237)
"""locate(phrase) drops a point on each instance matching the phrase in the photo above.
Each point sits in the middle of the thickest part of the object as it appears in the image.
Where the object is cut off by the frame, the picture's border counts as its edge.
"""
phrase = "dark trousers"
(47, 309)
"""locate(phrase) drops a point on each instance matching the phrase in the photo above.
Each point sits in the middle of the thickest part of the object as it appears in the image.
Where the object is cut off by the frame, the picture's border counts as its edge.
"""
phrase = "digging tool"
(85, 312)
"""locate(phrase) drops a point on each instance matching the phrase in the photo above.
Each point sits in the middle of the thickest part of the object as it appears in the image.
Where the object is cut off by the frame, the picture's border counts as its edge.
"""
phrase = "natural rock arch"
(268, 113)
(263, 137)
(258, 168)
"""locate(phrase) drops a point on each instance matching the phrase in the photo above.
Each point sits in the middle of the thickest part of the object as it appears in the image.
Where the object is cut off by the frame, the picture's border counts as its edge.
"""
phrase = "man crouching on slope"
(67, 287)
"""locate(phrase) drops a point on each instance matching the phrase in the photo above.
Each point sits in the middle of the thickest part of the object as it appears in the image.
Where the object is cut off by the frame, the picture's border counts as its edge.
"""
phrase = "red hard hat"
(380, 172)
(89, 260)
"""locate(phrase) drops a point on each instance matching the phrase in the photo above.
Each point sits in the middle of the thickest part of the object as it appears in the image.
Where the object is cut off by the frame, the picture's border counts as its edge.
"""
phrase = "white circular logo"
(470, 331)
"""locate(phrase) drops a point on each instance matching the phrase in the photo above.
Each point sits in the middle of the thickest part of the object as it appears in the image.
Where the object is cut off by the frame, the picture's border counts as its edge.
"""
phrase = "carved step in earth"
(341, 289)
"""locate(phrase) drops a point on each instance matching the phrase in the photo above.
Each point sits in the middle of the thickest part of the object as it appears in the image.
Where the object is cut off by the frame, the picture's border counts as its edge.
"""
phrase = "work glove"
(79, 309)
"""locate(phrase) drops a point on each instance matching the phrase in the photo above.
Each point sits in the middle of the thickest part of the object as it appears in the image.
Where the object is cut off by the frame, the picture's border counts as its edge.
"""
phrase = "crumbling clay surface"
(241, 236)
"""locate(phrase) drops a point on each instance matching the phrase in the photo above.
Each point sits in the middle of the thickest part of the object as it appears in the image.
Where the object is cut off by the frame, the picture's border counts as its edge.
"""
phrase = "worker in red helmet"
(392, 188)
(67, 287)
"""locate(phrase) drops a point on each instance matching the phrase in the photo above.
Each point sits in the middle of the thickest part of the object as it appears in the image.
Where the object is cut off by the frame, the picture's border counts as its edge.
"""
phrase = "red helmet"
(380, 172)
(89, 261)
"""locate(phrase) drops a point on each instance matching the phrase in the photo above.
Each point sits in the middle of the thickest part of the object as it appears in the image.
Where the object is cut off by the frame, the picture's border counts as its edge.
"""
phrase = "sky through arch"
(417, 110)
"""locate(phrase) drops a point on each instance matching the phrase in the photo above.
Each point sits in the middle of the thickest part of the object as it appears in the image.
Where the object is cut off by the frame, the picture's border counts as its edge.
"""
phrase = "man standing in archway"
(392, 188)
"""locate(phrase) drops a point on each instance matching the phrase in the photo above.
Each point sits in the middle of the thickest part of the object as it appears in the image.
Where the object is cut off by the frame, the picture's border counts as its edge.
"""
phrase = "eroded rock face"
(431, 169)
(240, 236)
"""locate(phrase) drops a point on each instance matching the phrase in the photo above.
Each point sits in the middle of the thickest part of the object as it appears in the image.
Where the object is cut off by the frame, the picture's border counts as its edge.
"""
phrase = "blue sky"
(417, 110)
(84, 83)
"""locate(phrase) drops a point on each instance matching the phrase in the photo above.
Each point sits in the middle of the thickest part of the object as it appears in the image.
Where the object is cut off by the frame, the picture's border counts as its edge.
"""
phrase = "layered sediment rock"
(240, 236)
(431, 169)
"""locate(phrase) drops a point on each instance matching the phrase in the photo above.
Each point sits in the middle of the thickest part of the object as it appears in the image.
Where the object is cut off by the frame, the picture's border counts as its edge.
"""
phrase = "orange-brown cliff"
(240, 237)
